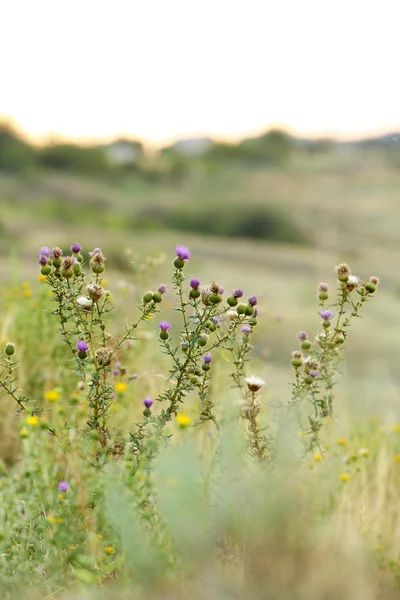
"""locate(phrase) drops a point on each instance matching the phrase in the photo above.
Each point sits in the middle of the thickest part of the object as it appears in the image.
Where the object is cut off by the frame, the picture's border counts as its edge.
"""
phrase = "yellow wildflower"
(52, 395)
(183, 420)
(363, 452)
(59, 520)
(60, 496)
(23, 433)
(396, 458)
(99, 536)
(121, 386)
(109, 549)
(318, 457)
(171, 481)
(342, 441)
(27, 293)
(104, 282)
(344, 477)
(25, 284)
(51, 519)
(32, 420)
(71, 547)
(396, 427)
(378, 548)
(41, 277)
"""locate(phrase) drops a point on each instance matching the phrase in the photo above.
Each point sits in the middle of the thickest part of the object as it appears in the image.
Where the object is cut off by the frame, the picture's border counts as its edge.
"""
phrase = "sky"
(164, 69)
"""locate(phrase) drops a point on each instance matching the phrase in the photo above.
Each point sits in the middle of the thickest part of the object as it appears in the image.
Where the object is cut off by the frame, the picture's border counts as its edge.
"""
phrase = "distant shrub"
(258, 222)
(68, 157)
(16, 156)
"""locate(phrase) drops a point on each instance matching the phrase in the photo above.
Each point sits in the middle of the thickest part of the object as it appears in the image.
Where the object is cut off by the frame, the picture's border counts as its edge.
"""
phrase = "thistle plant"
(317, 362)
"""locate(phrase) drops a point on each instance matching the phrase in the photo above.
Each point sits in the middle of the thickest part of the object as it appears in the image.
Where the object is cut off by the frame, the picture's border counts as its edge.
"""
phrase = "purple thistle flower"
(95, 251)
(255, 313)
(246, 329)
(252, 300)
(195, 283)
(112, 396)
(164, 325)
(63, 486)
(45, 250)
(76, 247)
(326, 315)
(216, 320)
(42, 260)
(82, 346)
(302, 335)
(314, 373)
(162, 288)
(182, 252)
(237, 293)
(207, 358)
(115, 372)
(148, 402)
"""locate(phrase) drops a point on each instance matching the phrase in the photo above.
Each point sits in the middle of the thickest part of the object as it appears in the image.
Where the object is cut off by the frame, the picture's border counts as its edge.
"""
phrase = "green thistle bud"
(164, 335)
(249, 310)
(57, 273)
(340, 339)
(179, 263)
(194, 293)
(194, 379)
(157, 297)
(211, 326)
(148, 297)
(308, 379)
(370, 287)
(323, 296)
(203, 339)
(79, 257)
(77, 269)
(232, 301)
(67, 273)
(72, 400)
(206, 366)
(9, 349)
(252, 321)
(45, 270)
(147, 412)
(82, 355)
(57, 262)
(215, 298)
(297, 362)
(305, 345)
(96, 268)
(241, 309)
(326, 324)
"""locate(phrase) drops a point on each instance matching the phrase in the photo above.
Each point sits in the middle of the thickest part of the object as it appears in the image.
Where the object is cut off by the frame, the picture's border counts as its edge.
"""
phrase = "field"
(200, 517)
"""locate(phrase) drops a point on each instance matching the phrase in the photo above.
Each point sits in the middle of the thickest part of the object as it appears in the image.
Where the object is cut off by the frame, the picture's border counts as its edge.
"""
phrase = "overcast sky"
(170, 68)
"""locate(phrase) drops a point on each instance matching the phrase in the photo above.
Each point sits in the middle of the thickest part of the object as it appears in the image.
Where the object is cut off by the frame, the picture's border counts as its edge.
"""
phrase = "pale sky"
(162, 69)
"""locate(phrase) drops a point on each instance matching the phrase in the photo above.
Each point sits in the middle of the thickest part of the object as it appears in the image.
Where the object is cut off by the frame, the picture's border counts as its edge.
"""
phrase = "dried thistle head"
(56, 252)
(68, 262)
(343, 271)
(216, 289)
(97, 258)
(95, 291)
(205, 295)
(353, 283)
(103, 356)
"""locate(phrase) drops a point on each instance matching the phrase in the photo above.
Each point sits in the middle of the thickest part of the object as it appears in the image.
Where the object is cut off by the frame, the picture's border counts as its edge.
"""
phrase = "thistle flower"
(148, 402)
(164, 325)
(254, 383)
(375, 280)
(195, 283)
(323, 287)
(343, 272)
(76, 248)
(42, 260)
(82, 346)
(352, 283)
(45, 250)
(205, 295)
(252, 300)
(314, 373)
(56, 252)
(162, 288)
(302, 335)
(95, 251)
(256, 312)
(326, 315)
(246, 329)
(63, 486)
(238, 293)
(207, 357)
(182, 252)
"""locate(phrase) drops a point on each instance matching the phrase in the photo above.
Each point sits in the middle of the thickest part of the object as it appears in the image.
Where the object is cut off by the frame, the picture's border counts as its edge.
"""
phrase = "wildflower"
(314, 373)
(164, 325)
(45, 251)
(99, 536)
(63, 486)
(396, 458)
(182, 252)
(238, 293)
(246, 329)
(97, 261)
(32, 420)
(302, 335)
(207, 358)
(162, 288)
(252, 300)
(254, 383)
(148, 402)
(43, 260)
(372, 284)
(323, 287)
(344, 477)
(363, 452)
(342, 441)
(183, 420)
(375, 280)
(84, 302)
(103, 356)
(109, 549)
(41, 277)
(326, 315)
(82, 346)
(352, 283)
(297, 359)
(318, 457)
(23, 433)
(52, 395)
(121, 386)
(95, 251)
(396, 427)
(216, 291)
(195, 283)
(76, 248)
(95, 291)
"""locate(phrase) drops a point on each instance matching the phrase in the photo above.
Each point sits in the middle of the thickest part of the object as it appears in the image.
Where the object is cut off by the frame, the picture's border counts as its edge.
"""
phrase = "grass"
(323, 527)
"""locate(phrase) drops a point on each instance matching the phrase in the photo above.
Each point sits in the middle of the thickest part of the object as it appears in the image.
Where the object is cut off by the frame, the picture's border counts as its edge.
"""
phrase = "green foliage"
(16, 156)
(69, 157)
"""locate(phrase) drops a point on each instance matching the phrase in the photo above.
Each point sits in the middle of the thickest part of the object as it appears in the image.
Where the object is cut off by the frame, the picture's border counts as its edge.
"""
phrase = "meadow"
(133, 506)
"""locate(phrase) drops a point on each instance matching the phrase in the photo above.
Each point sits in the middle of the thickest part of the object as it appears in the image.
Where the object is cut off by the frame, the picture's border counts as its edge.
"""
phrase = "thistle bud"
(157, 297)
(203, 339)
(370, 287)
(9, 349)
(45, 270)
(148, 297)
(241, 309)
